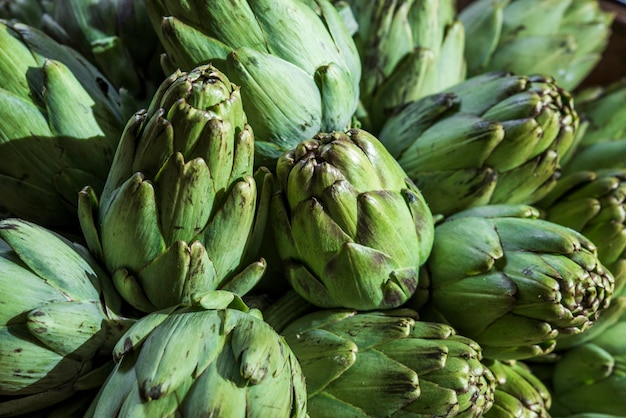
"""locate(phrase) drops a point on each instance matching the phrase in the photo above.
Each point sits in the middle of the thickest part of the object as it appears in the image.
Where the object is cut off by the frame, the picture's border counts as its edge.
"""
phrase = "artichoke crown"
(405, 366)
(493, 275)
(352, 229)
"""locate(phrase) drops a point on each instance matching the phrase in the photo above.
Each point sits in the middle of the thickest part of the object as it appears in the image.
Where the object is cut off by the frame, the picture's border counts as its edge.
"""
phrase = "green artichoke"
(61, 122)
(295, 60)
(562, 38)
(409, 49)
(591, 378)
(180, 212)
(519, 393)
(494, 138)
(388, 364)
(594, 203)
(513, 282)
(216, 359)
(351, 228)
(59, 318)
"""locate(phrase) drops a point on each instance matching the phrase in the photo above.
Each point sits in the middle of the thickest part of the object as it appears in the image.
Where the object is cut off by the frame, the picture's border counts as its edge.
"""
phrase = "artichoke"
(59, 318)
(594, 203)
(351, 228)
(409, 49)
(513, 282)
(61, 122)
(180, 213)
(562, 38)
(295, 60)
(388, 364)
(591, 378)
(492, 139)
(217, 358)
(519, 393)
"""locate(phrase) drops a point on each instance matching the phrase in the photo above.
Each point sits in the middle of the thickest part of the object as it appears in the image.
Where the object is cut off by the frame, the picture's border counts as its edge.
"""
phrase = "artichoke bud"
(533, 274)
(419, 365)
(232, 354)
(181, 177)
(347, 191)
(517, 127)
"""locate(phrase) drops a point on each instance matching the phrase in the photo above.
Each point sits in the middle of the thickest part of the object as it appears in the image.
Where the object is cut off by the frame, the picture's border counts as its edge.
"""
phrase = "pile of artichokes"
(310, 208)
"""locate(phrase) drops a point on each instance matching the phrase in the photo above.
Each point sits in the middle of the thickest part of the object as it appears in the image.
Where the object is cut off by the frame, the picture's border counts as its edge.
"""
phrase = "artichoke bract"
(594, 203)
(492, 139)
(295, 60)
(388, 364)
(215, 359)
(351, 228)
(591, 378)
(61, 121)
(409, 49)
(519, 393)
(180, 212)
(562, 38)
(59, 318)
(513, 282)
